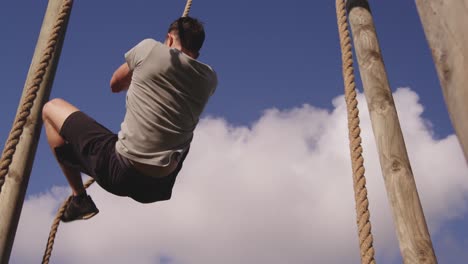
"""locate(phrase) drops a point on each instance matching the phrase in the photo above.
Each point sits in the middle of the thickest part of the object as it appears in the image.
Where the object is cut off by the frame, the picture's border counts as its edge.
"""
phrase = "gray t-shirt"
(166, 97)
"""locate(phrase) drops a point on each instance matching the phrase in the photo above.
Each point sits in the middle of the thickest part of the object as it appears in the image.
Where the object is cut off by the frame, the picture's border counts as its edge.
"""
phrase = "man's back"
(167, 91)
(166, 97)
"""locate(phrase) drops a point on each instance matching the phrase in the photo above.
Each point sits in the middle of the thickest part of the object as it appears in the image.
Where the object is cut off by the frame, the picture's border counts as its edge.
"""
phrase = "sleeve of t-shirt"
(138, 53)
(214, 83)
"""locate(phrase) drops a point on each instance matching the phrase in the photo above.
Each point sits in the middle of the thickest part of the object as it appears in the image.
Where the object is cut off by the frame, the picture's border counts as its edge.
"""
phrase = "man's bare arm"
(121, 79)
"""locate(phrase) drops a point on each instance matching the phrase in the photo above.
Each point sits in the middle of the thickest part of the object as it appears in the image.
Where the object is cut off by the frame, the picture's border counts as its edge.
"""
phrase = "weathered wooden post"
(17, 161)
(412, 231)
(446, 26)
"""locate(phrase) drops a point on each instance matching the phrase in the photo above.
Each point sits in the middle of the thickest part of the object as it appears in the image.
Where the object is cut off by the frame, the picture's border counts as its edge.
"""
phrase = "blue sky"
(273, 55)
(267, 55)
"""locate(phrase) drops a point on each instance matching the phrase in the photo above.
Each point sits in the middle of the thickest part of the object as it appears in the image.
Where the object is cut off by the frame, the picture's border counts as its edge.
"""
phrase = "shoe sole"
(88, 216)
(84, 217)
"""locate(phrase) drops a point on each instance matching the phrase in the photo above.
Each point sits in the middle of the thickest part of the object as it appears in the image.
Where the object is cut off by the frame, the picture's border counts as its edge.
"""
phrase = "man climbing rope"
(167, 90)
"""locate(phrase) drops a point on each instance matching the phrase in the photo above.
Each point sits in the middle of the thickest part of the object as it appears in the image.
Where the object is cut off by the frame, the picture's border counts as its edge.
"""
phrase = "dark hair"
(190, 32)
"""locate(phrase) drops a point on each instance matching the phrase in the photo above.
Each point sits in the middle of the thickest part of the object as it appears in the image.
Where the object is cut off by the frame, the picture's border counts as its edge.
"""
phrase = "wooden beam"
(16, 181)
(446, 26)
(412, 232)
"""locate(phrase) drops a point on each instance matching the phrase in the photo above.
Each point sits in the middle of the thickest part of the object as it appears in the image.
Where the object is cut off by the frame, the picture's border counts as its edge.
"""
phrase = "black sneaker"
(79, 208)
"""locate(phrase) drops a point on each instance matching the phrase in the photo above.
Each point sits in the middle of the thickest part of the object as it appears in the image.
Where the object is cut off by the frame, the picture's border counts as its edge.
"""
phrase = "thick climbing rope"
(359, 180)
(188, 5)
(55, 225)
(31, 94)
(61, 210)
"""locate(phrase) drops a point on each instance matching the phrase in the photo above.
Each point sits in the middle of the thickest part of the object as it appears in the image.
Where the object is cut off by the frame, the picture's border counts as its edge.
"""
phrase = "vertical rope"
(55, 225)
(187, 8)
(359, 180)
(31, 94)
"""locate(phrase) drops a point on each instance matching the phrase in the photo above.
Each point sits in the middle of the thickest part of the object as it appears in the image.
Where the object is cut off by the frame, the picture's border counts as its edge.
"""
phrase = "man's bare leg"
(54, 114)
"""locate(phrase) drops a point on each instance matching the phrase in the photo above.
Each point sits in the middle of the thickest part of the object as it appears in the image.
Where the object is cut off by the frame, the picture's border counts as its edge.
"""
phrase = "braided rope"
(187, 8)
(359, 180)
(55, 225)
(31, 94)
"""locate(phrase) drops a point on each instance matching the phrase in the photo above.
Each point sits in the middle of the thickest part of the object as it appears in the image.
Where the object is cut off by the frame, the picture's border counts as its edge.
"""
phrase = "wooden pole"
(412, 232)
(16, 181)
(446, 26)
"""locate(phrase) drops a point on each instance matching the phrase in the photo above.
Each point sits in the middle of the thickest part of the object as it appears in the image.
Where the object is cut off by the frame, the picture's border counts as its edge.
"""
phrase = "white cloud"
(277, 192)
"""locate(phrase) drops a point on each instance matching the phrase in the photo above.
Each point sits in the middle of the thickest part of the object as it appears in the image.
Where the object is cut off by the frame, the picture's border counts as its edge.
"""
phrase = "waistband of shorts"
(124, 162)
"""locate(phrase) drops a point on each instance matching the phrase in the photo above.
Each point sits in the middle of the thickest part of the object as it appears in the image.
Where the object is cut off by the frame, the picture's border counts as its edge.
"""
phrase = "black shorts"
(90, 147)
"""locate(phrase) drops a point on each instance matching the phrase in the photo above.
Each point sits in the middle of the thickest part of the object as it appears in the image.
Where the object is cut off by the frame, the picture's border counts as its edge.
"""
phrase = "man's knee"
(56, 111)
(48, 108)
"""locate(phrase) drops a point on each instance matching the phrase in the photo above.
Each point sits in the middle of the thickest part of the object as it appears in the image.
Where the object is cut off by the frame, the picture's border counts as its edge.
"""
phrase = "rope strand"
(31, 94)
(359, 180)
(187, 8)
(55, 225)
